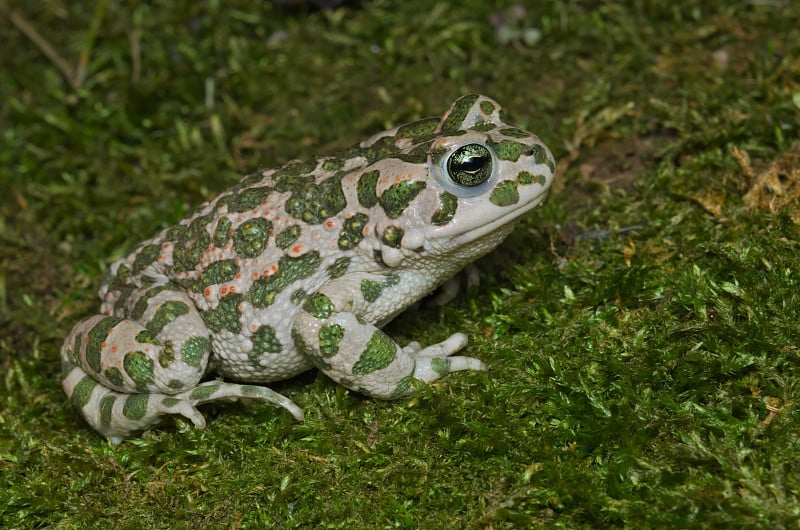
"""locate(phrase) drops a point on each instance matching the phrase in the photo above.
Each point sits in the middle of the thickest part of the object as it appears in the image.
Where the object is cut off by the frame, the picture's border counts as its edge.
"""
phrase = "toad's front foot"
(435, 361)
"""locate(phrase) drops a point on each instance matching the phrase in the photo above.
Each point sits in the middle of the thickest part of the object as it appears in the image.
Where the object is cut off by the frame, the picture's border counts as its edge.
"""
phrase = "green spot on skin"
(251, 237)
(366, 189)
(226, 315)
(204, 392)
(125, 293)
(397, 198)
(217, 273)
(222, 233)
(513, 132)
(418, 128)
(82, 392)
(144, 301)
(392, 236)
(173, 233)
(145, 257)
(318, 305)
(509, 150)
(166, 313)
(145, 337)
(265, 341)
(448, 204)
(139, 368)
(370, 290)
(97, 337)
(487, 107)
(246, 199)
(379, 353)
(526, 177)
(505, 194)
(264, 290)
(540, 156)
(252, 390)
(381, 149)
(176, 384)
(74, 353)
(194, 350)
(353, 231)
(390, 280)
(458, 112)
(299, 341)
(418, 155)
(332, 164)
(403, 387)
(135, 406)
(287, 236)
(440, 366)
(170, 402)
(119, 280)
(316, 202)
(114, 377)
(329, 337)
(294, 175)
(192, 241)
(106, 408)
(483, 126)
(298, 297)
(339, 267)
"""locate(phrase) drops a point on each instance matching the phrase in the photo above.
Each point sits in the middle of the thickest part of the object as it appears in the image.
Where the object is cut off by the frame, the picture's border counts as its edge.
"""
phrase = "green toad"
(300, 267)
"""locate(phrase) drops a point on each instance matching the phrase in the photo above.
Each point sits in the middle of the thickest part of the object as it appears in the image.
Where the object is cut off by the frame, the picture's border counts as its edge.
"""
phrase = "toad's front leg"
(360, 356)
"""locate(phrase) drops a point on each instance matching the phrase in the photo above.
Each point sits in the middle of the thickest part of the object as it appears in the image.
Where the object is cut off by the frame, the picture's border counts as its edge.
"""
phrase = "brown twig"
(66, 70)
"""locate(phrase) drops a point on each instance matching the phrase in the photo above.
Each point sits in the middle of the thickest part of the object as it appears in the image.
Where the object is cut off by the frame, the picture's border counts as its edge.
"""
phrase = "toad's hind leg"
(123, 375)
(118, 415)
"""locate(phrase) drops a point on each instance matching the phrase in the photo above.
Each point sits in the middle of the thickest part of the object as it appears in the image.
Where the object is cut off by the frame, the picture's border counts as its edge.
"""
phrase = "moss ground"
(641, 328)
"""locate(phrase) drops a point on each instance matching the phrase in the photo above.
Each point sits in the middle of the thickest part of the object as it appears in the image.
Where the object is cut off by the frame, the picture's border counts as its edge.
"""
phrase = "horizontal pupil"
(472, 164)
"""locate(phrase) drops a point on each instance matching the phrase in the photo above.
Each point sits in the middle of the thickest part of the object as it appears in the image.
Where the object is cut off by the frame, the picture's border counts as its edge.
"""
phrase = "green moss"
(630, 376)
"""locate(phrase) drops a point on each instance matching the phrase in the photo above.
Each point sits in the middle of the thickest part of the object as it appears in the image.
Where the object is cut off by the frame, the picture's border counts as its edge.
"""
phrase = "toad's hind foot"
(221, 391)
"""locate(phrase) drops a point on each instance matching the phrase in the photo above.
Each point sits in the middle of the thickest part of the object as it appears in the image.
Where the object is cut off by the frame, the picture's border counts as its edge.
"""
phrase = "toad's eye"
(470, 165)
